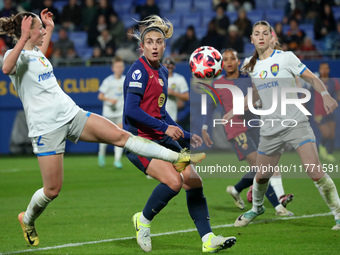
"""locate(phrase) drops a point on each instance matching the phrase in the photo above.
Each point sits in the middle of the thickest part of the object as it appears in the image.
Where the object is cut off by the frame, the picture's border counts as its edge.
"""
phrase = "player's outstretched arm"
(330, 104)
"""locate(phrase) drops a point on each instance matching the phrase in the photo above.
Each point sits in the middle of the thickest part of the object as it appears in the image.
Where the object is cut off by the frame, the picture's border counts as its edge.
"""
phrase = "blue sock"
(198, 210)
(245, 182)
(330, 145)
(271, 195)
(159, 198)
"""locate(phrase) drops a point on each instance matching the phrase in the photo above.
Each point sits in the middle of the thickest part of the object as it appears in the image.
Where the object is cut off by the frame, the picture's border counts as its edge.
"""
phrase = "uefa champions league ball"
(206, 62)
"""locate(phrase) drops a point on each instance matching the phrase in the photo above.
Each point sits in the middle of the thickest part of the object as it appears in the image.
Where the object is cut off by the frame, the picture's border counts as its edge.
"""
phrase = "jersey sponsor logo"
(134, 84)
(161, 82)
(263, 75)
(43, 61)
(275, 69)
(45, 76)
(161, 100)
(136, 75)
(33, 59)
(267, 85)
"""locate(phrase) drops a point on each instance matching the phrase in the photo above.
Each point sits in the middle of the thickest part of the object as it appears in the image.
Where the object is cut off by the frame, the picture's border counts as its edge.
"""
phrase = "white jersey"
(276, 72)
(46, 105)
(113, 88)
(178, 84)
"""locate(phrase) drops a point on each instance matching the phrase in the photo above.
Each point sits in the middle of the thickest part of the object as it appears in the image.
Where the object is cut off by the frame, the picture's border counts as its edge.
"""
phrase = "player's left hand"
(196, 141)
(46, 18)
(329, 103)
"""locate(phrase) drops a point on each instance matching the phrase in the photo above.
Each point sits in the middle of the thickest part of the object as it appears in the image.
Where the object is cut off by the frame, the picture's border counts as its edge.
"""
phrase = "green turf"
(98, 203)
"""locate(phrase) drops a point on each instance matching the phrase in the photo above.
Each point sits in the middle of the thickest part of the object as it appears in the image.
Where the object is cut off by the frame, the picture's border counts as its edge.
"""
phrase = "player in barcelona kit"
(244, 139)
(145, 95)
(52, 116)
(273, 75)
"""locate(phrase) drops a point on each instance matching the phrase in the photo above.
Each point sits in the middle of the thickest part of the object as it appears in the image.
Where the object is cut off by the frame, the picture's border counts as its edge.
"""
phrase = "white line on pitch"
(162, 234)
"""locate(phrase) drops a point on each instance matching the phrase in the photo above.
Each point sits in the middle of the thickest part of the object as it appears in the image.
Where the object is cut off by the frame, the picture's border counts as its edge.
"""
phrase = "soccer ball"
(206, 62)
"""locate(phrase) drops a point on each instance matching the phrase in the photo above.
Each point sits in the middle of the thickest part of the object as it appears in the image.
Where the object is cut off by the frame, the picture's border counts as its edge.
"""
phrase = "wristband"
(325, 92)
(205, 127)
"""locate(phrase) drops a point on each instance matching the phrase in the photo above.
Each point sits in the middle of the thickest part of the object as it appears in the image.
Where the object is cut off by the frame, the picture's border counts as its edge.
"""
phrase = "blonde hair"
(249, 67)
(154, 23)
(11, 26)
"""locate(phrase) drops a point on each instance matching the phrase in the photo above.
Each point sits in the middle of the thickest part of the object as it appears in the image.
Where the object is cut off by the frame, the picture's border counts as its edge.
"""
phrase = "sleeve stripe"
(303, 70)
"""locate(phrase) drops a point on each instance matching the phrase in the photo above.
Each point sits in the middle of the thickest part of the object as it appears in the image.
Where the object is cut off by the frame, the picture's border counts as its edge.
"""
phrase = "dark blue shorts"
(142, 163)
(320, 120)
(246, 143)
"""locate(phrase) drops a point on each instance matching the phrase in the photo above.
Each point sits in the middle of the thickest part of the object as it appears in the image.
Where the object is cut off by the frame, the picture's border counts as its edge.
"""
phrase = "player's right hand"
(174, 132)
(26, 27)
(206, 138)
(329, 103)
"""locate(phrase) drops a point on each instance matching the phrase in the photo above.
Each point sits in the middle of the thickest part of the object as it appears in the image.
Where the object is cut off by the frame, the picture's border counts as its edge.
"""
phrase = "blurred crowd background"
(91, 32)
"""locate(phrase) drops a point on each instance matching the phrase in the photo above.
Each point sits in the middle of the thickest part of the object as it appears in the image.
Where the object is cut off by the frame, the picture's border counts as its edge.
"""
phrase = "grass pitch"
(92, 214)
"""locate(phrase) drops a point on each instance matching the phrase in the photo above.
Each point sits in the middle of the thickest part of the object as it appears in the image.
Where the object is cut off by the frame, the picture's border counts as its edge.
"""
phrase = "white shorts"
(54, 142)
(296, 136)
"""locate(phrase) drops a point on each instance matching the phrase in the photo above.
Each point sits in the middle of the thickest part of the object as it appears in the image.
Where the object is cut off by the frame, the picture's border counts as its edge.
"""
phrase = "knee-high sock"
(330, 146)
(198, 210)
(245, 182)
(102, 149)
(258, 194)
(329, 193)
(37, 205)
(146, 148)
(118, 153)
(159, 198)
(276, 182)
(272, 197)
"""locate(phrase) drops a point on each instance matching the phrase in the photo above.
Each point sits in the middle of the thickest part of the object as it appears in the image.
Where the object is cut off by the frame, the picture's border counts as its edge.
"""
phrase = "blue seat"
(202, 5)
(59, 5)
(232, 16)
(55, 36)
(84, 52)
(268, 4)
(309, 30)
(165, 6)
(192, 19)
(255, 16)
(182, 6)
(175, 18)
(274, 16)
(336, 13)
(122, 7)
(280, 4)
(248, 48)
(79, 39)
(206, 18)
(129, 20)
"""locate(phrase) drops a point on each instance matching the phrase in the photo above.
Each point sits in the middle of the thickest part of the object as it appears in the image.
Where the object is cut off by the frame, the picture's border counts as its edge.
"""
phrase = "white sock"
(276, 182)
(37, 205)
(143, 219)
(102, 149)
(118, 153)
(259, 190)
(234, 191)
(206, 237)
(279, 207)
(329, 193)
(146, 148)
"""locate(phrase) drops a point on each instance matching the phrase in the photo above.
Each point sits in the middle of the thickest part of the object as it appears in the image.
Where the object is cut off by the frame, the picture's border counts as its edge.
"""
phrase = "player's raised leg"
(99, 129)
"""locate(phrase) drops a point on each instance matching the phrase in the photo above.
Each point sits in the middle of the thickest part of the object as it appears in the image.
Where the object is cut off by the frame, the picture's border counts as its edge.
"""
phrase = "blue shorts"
(246, 143)
(320, 120)
(142, 163)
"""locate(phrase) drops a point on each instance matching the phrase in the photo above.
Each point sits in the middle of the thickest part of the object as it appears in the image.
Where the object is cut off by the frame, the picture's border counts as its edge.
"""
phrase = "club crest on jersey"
(173, 86)
(136, 75)
(161, 82)
(263, 75)
(161, 100)
(42, 61)
(275, 69)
